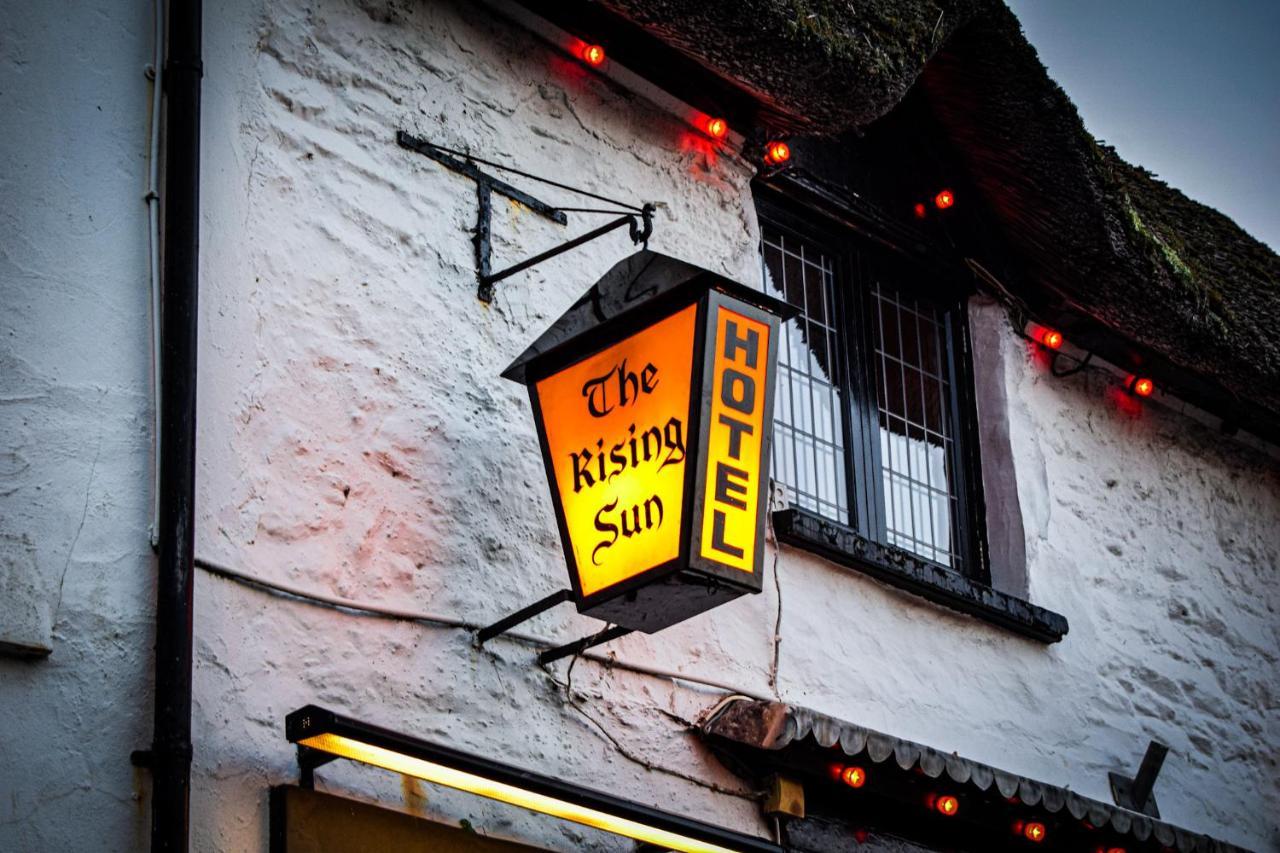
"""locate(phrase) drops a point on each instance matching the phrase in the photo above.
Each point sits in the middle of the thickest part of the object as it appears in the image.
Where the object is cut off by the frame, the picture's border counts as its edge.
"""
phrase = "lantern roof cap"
(640, 283)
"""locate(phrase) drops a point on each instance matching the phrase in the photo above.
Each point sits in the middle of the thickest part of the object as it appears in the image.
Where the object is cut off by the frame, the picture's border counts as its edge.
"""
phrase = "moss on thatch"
(823, 64)
(1113, 241)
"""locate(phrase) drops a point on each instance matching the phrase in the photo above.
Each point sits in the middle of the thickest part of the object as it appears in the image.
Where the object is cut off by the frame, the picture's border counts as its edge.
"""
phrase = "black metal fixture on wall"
(322, 736)
(638, 219)
(652, 396)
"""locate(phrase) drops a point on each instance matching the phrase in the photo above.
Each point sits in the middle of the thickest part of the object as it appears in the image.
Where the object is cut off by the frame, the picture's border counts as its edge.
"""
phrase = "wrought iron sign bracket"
(639, 219)
(577, 647)
(524, 614)
(640, 234)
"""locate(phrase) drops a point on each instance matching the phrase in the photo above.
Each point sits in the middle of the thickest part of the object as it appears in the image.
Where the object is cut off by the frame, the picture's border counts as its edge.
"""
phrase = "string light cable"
(1019, 315)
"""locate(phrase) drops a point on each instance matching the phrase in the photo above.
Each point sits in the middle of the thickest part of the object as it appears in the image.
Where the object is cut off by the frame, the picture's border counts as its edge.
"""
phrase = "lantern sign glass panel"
(735, 439)
(653, 398)
(616, 428)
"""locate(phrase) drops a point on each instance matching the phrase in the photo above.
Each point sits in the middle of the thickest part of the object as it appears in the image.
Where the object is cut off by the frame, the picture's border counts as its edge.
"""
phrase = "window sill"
(845, 547)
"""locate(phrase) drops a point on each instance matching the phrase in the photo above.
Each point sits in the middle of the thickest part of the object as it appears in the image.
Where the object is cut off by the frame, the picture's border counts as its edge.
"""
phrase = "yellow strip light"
(441, 775)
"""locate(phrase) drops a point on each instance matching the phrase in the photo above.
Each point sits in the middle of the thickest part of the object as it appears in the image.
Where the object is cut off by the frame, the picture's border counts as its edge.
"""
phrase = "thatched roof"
(1186, 290)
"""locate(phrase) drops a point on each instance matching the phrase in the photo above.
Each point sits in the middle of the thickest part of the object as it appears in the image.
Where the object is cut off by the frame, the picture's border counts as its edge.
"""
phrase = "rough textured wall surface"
(355, 439)
(355, 436)
(75, 567)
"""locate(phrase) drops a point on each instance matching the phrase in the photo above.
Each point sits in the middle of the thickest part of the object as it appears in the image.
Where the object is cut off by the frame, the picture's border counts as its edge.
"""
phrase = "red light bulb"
(593, 55)
(947, 805)
(854, 777)
(777, 153)
(920, 210)
(1142, 387)
(1051, 338)
(944, 199)
(717, 128)
(1033, 832)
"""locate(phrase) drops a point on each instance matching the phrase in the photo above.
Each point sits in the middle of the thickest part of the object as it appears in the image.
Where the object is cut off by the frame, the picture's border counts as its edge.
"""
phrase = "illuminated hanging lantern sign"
(653, 398)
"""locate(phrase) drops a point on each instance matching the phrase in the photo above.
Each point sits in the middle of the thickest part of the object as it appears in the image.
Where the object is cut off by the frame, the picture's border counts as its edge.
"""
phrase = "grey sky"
(1189, 89)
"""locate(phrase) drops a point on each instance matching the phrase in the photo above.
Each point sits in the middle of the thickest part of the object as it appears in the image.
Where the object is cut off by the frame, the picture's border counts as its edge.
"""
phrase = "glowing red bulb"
(1051, 338)
(854, 777)
(717, 128)
(920, 210)
(1034, 831)
(777, 153)
(946, 805)
(593, 55)
(1143, 387)
(944, 199)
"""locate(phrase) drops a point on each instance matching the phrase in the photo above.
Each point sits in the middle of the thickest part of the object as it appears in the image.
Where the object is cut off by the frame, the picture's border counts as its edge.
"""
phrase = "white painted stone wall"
(76, 574)
(355, 440)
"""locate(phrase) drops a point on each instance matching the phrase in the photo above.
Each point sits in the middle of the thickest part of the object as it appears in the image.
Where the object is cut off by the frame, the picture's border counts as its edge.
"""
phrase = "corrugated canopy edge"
(777, 726)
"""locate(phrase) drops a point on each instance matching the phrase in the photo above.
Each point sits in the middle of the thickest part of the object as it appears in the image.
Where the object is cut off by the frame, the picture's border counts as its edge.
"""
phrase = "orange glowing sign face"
(616, 426)
(656, 443)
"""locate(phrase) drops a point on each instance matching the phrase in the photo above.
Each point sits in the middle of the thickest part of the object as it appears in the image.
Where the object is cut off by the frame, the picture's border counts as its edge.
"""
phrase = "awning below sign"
(763, 737)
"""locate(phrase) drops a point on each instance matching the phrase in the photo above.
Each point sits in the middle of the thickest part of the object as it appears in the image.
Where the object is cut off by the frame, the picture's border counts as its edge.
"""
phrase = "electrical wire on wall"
(152, 198)
(433, 620)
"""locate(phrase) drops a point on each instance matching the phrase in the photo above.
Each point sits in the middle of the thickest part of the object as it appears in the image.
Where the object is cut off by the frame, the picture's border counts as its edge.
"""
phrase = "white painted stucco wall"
(76, 574)
(355, 440)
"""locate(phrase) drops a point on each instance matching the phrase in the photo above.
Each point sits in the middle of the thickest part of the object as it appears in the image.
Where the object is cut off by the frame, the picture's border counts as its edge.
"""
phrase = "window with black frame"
(873, 410)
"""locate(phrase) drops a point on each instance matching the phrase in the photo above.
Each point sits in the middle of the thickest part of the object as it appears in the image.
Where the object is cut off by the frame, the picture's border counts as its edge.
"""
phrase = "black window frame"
(855, 259)
(861, 540)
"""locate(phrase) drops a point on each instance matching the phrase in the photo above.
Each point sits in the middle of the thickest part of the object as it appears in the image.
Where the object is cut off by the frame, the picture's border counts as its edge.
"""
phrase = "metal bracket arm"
(1136, 794)
(501, 187)
(579, 646)
(639, 234)
(640, 219)
(308, 760)
(524, 614)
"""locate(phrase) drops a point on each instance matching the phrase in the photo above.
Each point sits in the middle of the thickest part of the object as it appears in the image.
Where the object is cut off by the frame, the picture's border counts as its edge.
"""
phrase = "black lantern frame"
(689, 584)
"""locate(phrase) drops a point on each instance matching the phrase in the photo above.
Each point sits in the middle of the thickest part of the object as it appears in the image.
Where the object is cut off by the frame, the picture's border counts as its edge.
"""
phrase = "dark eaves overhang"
(758, 739)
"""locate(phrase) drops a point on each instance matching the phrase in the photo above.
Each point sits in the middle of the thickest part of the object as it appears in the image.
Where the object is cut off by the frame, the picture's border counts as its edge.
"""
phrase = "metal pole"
(170, 757)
